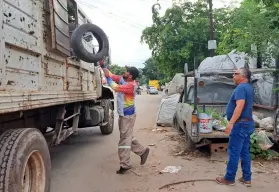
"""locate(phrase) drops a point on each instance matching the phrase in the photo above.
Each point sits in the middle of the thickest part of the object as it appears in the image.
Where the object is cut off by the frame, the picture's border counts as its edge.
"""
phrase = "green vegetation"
(117, 70)
(257, 152)
(183, 31)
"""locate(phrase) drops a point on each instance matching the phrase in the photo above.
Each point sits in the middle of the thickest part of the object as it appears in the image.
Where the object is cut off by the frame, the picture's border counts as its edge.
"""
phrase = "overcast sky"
(123, 21)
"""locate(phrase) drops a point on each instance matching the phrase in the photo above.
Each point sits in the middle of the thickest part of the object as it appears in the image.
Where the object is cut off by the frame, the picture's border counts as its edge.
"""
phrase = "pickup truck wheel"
(190, 144)
(109, 117)
(25, 161)
(80, 50)
(176, 125)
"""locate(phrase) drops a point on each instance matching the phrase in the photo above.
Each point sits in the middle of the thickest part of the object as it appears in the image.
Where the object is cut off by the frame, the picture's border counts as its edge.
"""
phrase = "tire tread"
(7, 141)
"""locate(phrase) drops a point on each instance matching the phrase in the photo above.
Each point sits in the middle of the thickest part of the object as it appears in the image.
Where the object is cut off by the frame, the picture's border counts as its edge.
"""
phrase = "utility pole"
(211, 25)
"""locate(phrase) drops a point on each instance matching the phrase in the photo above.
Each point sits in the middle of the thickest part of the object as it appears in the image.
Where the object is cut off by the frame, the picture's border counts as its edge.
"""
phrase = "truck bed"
(33, 72)
(219, 134)
(214, 134)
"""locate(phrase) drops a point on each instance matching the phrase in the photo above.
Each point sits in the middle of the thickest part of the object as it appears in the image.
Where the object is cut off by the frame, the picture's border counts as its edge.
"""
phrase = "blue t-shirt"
(242, 91)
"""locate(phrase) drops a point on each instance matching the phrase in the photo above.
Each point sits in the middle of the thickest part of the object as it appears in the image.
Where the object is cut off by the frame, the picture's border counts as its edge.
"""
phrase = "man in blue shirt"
(240, 127)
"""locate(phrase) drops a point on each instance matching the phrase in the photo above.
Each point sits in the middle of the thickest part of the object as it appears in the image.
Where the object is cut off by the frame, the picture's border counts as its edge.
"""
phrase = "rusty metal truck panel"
(34, 71)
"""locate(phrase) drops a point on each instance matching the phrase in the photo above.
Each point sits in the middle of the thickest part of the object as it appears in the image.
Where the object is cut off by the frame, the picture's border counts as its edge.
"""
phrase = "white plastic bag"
(267, 123)
(171, 169)
(167, 110)
(263, 141)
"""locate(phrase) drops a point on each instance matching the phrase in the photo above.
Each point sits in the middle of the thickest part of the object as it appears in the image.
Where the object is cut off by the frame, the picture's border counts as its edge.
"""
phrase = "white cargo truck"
(47, 90)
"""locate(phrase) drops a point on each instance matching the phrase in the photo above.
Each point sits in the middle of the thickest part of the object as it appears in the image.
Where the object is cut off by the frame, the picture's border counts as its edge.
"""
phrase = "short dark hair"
(246, 72)
(134, 72)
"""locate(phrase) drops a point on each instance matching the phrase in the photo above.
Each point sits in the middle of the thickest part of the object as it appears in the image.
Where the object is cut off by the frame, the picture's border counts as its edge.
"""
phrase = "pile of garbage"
(265, 123)
(167, 110)
(170, 99)
(260, 146)
(175, 85)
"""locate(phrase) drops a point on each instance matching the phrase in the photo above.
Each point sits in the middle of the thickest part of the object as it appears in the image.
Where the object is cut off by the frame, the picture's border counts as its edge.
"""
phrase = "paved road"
(87, 163)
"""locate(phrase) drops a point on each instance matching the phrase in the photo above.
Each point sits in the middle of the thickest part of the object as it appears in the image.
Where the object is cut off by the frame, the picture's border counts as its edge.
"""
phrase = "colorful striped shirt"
(126, 92)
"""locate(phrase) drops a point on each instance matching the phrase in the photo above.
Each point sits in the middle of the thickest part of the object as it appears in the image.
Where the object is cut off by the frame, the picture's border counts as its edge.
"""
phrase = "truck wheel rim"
(34, 173)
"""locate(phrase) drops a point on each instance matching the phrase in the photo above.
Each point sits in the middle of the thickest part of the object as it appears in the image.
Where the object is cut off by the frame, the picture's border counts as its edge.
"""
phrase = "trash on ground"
(256, 121)
(157, 129)
(179, 153)
(267, 123)
(259, 163)
(171, 169)
(151, 145)
(263, 141)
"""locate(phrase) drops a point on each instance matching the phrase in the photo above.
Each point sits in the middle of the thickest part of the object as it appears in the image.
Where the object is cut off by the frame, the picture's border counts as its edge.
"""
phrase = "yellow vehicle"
(154, 83)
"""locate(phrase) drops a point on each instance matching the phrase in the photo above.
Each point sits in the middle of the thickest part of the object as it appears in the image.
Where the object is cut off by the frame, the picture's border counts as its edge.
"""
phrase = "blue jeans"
(239, 147)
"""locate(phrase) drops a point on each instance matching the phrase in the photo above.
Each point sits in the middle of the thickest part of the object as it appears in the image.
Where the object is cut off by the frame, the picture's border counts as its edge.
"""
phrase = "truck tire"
(176, 125)
(109, 117)
(25, 161)
(79, 49)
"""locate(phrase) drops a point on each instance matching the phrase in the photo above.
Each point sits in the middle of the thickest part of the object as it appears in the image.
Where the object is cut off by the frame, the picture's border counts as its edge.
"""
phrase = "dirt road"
(88, 162)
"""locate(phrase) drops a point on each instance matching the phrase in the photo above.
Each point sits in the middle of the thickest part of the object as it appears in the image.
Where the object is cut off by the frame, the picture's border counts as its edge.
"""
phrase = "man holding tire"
(126, 87)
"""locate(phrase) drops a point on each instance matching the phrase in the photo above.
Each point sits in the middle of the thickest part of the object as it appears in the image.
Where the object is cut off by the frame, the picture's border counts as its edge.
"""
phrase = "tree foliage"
(252, 24)
(181, 34)
(266, 2)
(183, 31)
(151, 70)
(116, 69)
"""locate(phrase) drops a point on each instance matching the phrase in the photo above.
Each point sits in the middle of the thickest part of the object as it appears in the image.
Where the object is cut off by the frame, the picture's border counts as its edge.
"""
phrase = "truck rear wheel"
(25, 163)
(176, 125)
(108, 118)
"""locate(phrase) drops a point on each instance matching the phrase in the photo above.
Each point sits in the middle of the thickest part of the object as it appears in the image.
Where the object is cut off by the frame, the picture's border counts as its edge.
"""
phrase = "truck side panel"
(32, 73)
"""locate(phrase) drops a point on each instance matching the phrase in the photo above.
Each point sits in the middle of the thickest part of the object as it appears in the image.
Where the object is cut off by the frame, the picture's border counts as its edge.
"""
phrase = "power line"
(159, 1)
(111, 14)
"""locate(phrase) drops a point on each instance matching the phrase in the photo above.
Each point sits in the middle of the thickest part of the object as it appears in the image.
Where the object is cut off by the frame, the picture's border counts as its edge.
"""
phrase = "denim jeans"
(239, 147)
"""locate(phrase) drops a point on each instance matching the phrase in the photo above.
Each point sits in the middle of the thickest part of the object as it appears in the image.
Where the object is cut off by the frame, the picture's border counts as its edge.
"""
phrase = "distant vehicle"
(148, 89)
(154, 83)
(153, 90)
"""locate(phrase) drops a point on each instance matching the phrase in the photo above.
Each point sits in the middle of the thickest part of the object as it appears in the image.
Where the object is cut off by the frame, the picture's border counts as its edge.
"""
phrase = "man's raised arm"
(116, 78)
(126, 88)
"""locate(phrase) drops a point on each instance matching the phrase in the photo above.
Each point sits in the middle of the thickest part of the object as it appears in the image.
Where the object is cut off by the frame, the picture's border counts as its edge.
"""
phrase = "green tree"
(151, 70)
(266, 2)
(116, 69)
(143, 80)
(252, 24)
(181, 34)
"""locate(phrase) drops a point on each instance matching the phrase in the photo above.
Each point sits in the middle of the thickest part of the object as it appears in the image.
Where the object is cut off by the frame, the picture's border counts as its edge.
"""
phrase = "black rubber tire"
(16, 146)
(81, 52)
(176, 125)
(108, 107)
